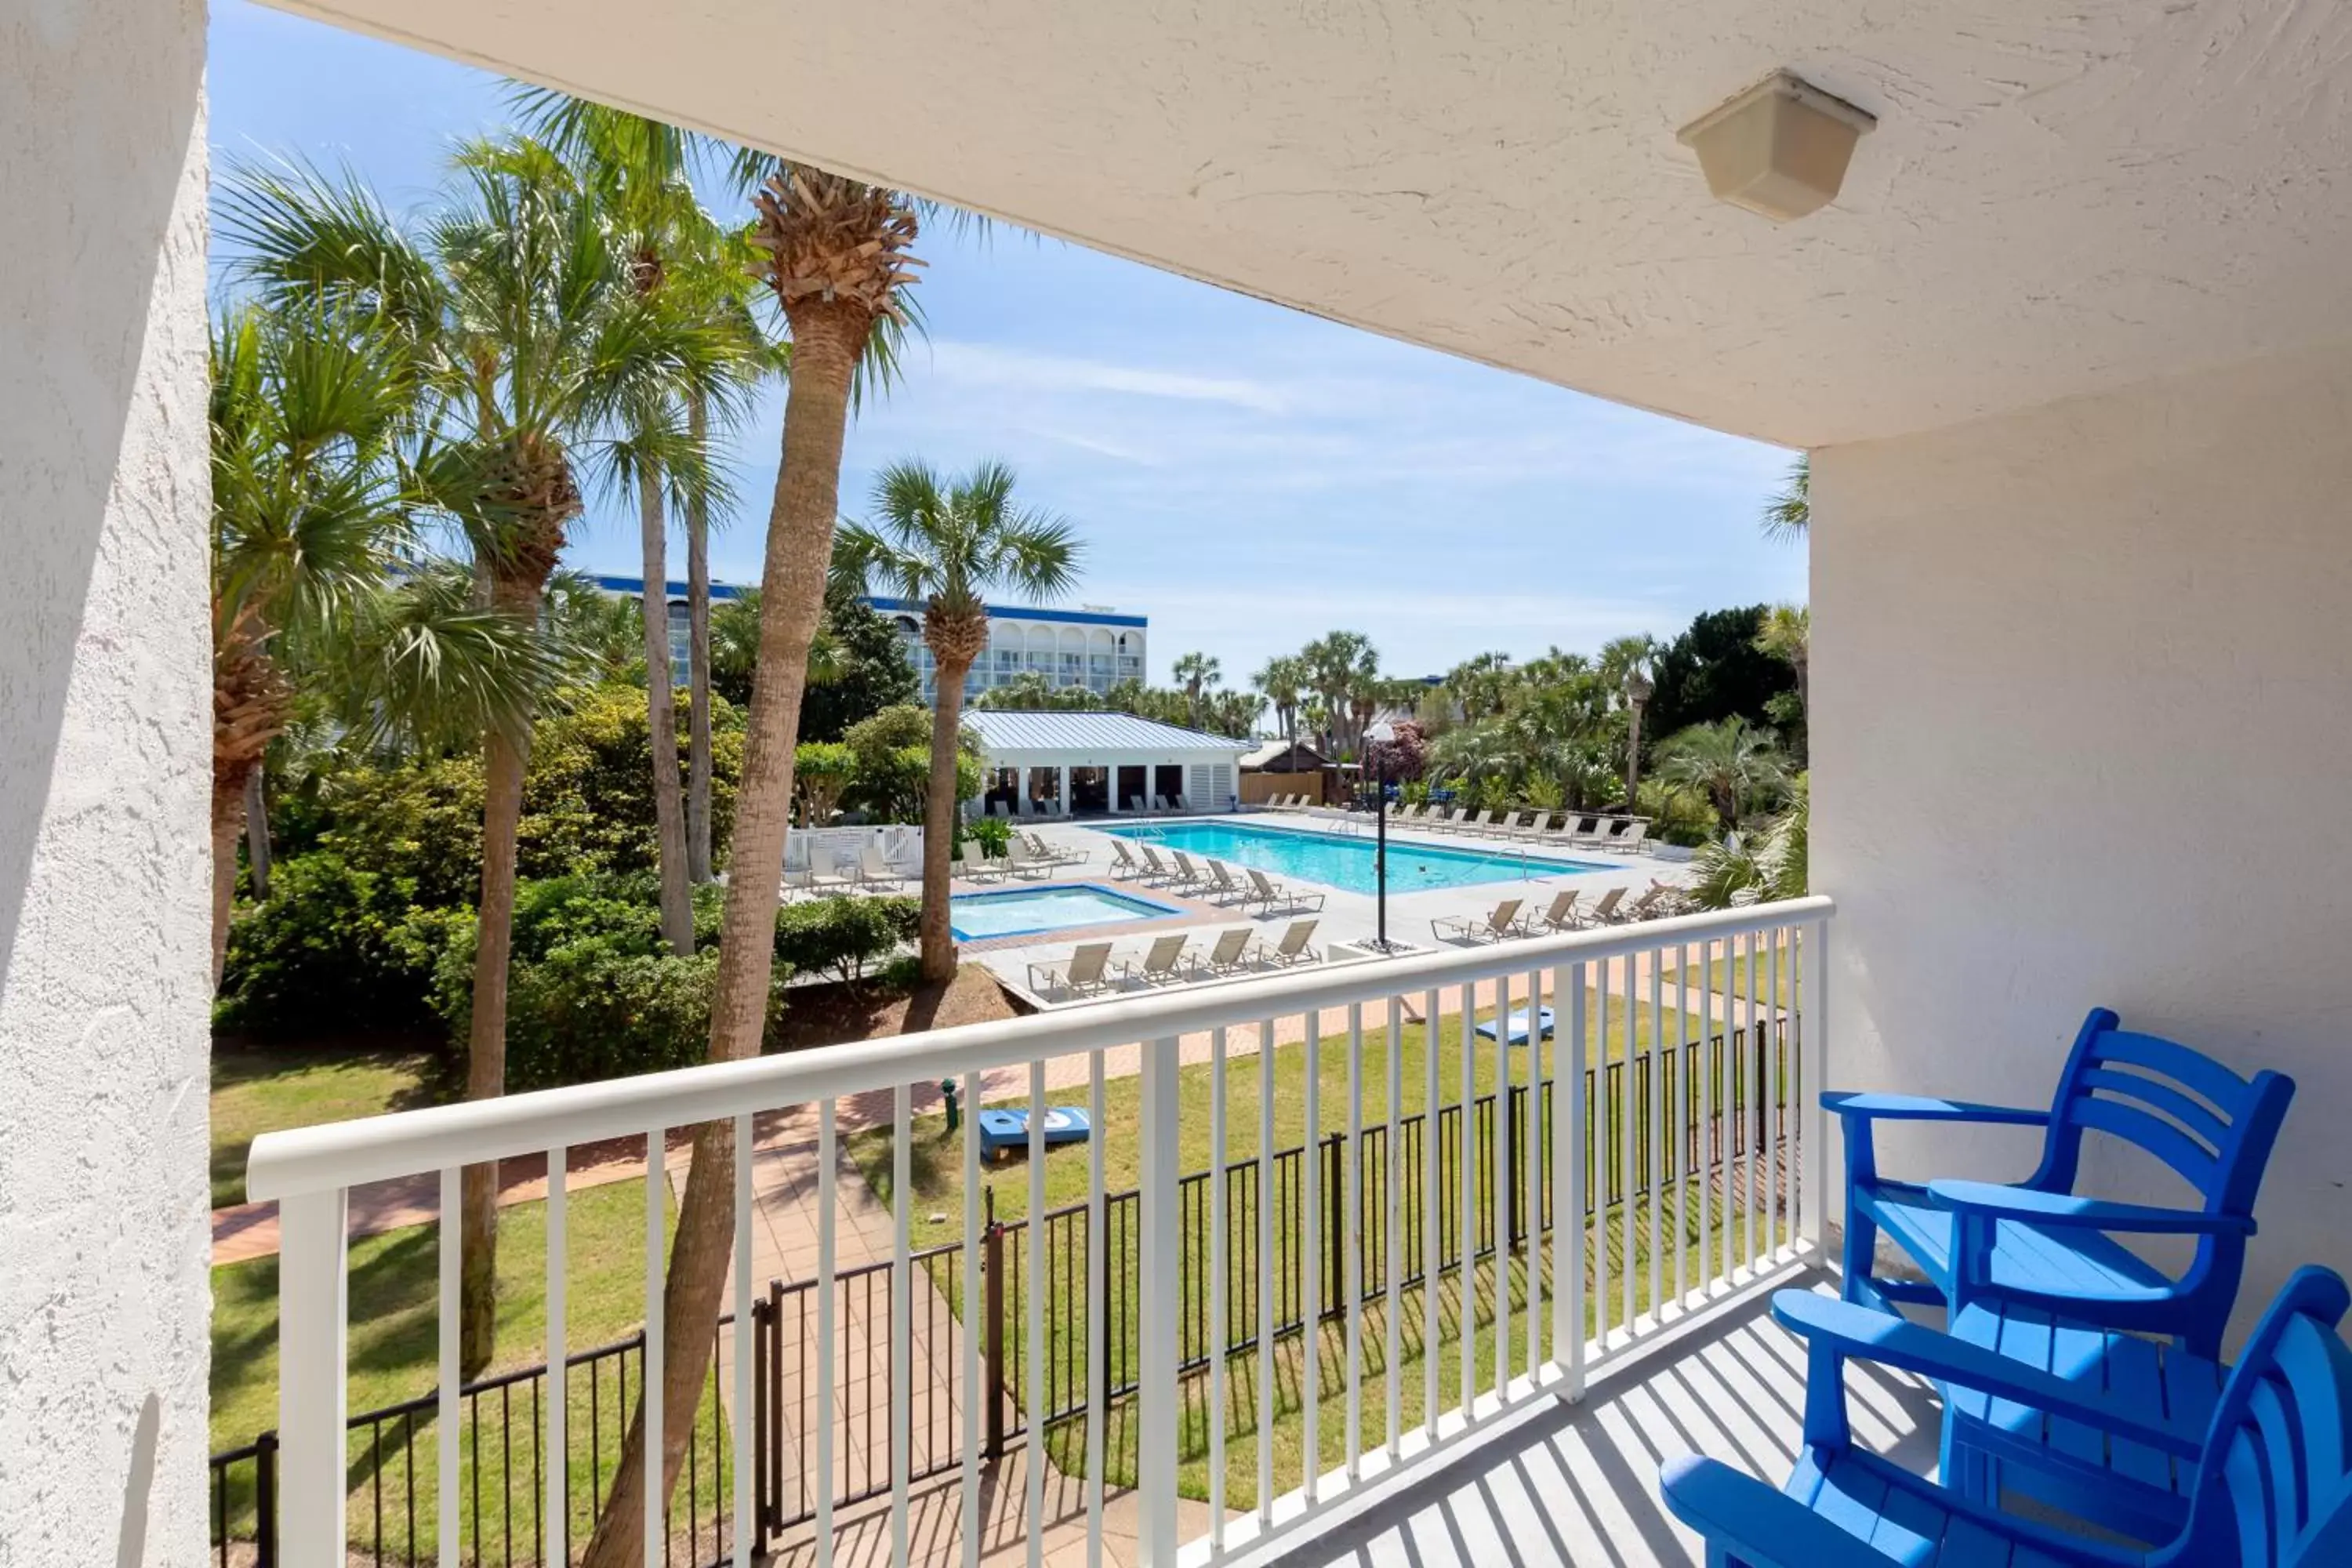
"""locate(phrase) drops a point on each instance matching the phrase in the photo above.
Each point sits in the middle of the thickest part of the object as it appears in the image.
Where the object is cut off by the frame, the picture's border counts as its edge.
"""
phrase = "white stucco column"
(2079, 685)
(1062, 787)
(105, 662)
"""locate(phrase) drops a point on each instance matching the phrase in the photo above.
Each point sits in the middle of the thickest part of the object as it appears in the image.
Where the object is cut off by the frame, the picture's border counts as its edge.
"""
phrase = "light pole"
(1381, 735)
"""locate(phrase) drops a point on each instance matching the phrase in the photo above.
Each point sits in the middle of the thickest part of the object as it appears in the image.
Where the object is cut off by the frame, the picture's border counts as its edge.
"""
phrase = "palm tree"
(308, 513)
(1335, 661)
(519, 304)
(1193, 672)
(1730, 759)
(1284, 680)
(1790, 514)
(948, 543)
(836, 255)
(1786, 632)
(639, 172)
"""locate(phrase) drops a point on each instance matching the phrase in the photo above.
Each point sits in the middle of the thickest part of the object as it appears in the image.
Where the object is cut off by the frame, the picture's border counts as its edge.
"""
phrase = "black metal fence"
(502, 1488)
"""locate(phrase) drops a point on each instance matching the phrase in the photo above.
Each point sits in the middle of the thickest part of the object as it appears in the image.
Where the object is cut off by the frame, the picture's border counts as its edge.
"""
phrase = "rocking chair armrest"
(2064, 1209)
(1842, 1328)
(1759, 1525)
(1925, 1108)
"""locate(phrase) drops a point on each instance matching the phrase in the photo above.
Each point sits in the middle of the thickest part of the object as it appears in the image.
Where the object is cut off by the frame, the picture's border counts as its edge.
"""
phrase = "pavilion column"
(1062, 787)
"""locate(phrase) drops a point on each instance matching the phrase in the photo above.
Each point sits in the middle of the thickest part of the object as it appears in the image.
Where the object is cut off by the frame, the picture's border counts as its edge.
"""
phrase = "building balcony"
(1590, 1224)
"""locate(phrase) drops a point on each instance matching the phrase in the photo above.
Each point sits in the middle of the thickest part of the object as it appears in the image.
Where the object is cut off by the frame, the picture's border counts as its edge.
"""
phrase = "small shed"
(1101, 763)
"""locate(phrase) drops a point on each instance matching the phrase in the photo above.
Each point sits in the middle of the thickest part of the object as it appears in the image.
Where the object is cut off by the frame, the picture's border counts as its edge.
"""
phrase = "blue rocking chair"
(2037, 1244)
(2268, 1478)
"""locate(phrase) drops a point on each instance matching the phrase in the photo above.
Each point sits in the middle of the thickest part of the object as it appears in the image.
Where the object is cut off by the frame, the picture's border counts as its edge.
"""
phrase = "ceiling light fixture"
(1781, 147)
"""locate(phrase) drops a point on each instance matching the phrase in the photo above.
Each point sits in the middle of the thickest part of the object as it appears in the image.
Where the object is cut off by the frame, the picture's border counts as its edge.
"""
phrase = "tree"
(1786, 633)
(1400, 760)
(870, 669)
(637, 171)
(1739, 870)
(1731, 760)
(1714, 670)
(1234, 713)
(1335, 663)
(1790, 514)
(1284, 681)
(1195, 672)
(308, 513)
(1478, 685)
(948, 543)
(539, 355)
(604, 632)
(837, 258)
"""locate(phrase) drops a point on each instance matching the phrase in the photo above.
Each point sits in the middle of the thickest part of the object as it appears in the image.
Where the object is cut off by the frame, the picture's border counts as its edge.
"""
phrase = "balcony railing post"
(1814, 1055)
(1569, 1156)
(264, 1500)
(311, 1317)
(992, 1332)
(1157, 1413)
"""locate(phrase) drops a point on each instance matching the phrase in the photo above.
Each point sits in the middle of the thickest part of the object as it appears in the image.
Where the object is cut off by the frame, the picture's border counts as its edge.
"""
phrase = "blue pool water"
(1026, 911)
(1346, 862)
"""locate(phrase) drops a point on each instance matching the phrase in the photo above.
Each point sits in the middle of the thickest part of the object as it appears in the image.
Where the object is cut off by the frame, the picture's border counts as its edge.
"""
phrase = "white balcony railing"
(1662, 1155)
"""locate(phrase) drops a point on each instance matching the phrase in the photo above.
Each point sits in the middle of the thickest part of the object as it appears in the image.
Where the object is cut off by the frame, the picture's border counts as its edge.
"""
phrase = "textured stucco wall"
(2082, 733)
(104, 656)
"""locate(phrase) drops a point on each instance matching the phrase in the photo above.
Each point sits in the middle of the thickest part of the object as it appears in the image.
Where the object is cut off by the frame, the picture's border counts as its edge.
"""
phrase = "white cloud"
(1005, 371)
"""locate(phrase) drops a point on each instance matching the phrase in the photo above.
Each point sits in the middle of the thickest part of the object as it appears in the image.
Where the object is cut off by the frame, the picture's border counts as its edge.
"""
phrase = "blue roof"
(633, 586)
(1018, 613)
(1001, 732)
(613, 584)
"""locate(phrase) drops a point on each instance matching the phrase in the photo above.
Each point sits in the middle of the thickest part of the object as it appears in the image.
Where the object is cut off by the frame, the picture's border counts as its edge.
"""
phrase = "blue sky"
(1246, 476)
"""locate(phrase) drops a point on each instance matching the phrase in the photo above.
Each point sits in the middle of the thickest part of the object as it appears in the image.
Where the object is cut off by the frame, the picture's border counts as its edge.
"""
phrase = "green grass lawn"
(257, 1091)
(936, 1168)
(394, 1357)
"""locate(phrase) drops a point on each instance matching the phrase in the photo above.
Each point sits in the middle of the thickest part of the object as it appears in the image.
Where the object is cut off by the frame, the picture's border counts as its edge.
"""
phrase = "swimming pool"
(1342, 861)
(1028, 911)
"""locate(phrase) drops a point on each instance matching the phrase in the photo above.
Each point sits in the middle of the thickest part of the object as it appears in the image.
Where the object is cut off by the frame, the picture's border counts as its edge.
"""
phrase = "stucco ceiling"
(2062, 195)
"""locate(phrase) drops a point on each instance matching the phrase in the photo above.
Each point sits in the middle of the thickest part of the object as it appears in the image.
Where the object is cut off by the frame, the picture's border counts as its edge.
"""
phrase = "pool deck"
(1346, 917)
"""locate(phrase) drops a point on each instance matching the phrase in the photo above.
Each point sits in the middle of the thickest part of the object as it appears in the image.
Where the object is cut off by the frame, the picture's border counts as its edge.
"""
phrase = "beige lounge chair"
(1291, 950)
(1087, 969)
(1053, 854)
(872, 870)
(976, 866)
(1658, 900)
(1184, 805)
(1476, 825)
(1227, 956)
(1561, 914)
(1162, 960)
(1221, 884)
(1631, 839)
(1503, 921)
(1154, 868)
(1123, 863)
(1188, 875)
(1019, 863)
(1264, 891)
(1604, 909)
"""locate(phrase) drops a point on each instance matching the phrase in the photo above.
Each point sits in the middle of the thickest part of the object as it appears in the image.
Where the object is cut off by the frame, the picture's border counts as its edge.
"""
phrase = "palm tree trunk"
(256, 830)
(827, 337)
(661, 722)
(1633, 753)
(228, 827)
(485, 1049)
(698, 703)
(937, 939)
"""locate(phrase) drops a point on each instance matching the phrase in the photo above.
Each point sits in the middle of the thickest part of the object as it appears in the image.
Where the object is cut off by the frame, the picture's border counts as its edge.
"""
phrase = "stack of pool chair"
(2075, 1377)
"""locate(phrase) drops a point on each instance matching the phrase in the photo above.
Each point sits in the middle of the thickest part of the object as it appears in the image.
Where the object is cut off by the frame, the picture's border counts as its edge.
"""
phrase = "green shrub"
(1677, 814)
(334, 947)
(843, 936)
(595, 1009)
(994, 834)
(593, 991)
